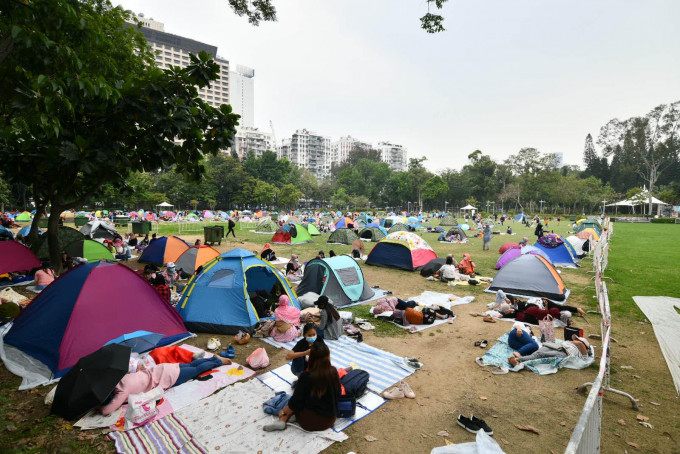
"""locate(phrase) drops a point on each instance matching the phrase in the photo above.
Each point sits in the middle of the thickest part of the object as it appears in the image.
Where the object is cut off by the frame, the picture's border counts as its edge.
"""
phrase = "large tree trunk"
(53, 238)
(33, 234)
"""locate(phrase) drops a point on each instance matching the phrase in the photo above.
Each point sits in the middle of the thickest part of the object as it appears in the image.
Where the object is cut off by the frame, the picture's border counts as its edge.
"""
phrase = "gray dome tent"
(448, 220)
(398, 228)
(460, 233)
(98, 230)
(530, 275)
(342, 236)
(339, 278)
(66, 236)
(372, 233)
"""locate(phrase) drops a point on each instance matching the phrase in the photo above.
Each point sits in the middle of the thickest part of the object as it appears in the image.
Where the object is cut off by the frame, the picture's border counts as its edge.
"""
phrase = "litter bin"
(211, 234)
(141, 227)
(81, 220)
(121, 221)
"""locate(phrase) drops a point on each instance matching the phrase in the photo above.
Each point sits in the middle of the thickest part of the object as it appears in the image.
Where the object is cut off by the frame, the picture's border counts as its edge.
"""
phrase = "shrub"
(663, 221)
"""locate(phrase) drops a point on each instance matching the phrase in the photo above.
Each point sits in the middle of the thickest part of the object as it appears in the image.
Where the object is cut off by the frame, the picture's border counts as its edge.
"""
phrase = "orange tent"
(195, 257)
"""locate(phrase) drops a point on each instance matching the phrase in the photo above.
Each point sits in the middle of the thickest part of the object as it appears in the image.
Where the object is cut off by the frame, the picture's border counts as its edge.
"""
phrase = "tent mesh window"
(348, 276)
(222, 279)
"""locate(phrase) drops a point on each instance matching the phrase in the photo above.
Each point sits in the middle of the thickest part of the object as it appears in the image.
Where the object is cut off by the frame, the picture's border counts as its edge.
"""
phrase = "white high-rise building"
(309, 150)
(341, 148)
(252, 140)
(242, 81)
(394, 155)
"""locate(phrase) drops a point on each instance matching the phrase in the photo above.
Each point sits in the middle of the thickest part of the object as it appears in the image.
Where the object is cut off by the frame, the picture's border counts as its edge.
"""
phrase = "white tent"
(468, 207)
(165, 205)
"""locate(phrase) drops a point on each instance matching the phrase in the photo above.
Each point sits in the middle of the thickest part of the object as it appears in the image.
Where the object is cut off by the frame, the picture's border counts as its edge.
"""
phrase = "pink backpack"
(258, 359)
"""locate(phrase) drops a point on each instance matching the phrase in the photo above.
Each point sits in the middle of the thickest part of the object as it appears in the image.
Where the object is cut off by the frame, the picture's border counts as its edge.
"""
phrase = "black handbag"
(571, 330)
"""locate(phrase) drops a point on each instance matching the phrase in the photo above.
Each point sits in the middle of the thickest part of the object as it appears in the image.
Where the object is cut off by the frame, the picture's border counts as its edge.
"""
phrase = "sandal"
(478, 343)
(483, 343)
(228, 353)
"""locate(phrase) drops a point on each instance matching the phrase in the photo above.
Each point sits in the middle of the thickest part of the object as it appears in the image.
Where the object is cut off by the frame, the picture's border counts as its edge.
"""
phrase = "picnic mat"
(384, 367)
(229, 421)
(378, 293)
(280, 379)
(16, 284)
(429, 298)
(175, 398)
(498, 356)
(662, 314)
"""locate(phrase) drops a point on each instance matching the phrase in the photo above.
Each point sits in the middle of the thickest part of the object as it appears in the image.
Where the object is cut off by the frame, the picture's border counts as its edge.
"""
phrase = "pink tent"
(16, 257)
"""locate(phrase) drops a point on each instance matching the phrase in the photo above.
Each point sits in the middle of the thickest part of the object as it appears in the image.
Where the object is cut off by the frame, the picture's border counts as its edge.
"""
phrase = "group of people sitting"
(452, 270)
(162, 282)
(328, 323)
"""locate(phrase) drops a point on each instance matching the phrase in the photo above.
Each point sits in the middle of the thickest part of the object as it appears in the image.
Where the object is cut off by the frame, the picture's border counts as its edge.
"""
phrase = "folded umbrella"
(90, 381)
(139, 341)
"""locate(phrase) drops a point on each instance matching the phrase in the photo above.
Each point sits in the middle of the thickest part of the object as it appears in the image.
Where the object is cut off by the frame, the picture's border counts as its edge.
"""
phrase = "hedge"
(663, 221)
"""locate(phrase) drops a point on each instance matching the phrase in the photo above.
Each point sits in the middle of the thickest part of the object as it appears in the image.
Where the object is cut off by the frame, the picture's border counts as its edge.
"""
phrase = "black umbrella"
(90, 381)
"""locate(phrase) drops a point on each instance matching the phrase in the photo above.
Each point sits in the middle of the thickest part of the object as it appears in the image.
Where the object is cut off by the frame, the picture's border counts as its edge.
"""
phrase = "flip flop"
(483, 343)
(489, 319)
(478, 343)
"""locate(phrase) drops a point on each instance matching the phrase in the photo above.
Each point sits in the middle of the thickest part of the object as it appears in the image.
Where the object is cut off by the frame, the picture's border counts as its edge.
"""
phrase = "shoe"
(394, 393)
(366, 326)
(414, 363)
(480, 362)
(484, 343)
(406, 389)
(499, 370)
(478, 343)
(430, 278)
(482, 424)
(412, 329)
(228, 353)
(467, 424)
(214, 343)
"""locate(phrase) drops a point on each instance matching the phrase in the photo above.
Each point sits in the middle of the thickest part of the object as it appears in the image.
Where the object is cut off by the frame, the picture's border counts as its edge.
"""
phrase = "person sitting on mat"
(315, 400)
(287, 319)
(330, 323)
(164, 375)
(578, 347)
(300, 353)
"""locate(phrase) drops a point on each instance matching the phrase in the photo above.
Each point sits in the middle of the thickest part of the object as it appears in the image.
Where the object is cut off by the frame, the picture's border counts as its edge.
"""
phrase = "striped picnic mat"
(167, 435)
(385, 368)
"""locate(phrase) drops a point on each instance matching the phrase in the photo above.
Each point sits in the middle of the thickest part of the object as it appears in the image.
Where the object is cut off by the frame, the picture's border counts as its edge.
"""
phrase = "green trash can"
(220, 231)
(121, 221)
(42, 223)
(141, 227)
(211, 235)
(81, 220)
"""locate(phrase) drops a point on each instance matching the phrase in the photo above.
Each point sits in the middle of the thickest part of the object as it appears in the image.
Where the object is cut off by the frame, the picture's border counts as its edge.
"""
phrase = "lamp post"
(408, 206)
(541, 202)
(487, 206)
(493, 207)
(603, 205)
(445, 205)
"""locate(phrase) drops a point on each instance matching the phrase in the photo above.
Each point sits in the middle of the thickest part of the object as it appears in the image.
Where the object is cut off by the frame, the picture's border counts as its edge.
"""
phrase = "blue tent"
(562, 255)
(6, 233)
(26, 230)
(217, 299)
(520, 217)
(163, 250)
(339, 278)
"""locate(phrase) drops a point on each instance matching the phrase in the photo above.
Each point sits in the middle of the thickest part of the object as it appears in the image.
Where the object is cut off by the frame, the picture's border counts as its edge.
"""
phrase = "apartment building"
(253, 140)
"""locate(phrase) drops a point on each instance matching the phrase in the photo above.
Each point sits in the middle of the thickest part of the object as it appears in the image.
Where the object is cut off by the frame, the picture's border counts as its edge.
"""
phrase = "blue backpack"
(355, 382)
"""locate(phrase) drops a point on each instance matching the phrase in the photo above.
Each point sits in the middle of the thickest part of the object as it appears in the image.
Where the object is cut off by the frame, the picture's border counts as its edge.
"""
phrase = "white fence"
(587, 434)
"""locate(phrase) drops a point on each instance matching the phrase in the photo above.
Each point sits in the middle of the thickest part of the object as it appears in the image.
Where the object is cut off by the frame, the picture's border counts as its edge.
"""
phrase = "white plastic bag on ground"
(142, 408)
(484, 444)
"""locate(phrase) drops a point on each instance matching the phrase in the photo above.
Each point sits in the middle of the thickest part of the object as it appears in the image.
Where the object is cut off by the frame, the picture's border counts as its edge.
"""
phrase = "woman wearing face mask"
(300, 353)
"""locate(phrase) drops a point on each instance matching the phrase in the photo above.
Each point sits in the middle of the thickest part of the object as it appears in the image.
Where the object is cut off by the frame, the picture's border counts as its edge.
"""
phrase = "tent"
(195, 257)
(266, 226)
(81, 311)
(374, 234)
(448, 220)
(398, 228)
(468, 207)
(326, 220)
(65, 235)
(312, 230)
(339, 278)
(403, 250)
(530, 249)
(560, 252)
(511, 254)
(344, 223)
(342, 236)
(432, 266)
(6, 233)
(520, 217)
(460, 233)
(391, 221)
(16, 257)
(26, 230)
(98, 230)
(291, 234)
(507, 246)
(24, 216)
(89, 249)
(588, 233)
(588, 224)
(217, 299)
(530, 275)
(163, 250)
(581, 246)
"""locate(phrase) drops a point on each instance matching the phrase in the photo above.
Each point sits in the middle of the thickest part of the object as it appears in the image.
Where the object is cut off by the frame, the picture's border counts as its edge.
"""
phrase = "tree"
(340, 199)
(651, 142)
(90, 105)
(434, 190)
(264, 193)
(417, 177)
(276, 171)
(594, 164)
(5, 193)
(289, 196)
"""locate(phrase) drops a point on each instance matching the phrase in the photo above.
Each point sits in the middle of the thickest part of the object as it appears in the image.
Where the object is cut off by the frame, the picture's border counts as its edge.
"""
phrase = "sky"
(506, 74)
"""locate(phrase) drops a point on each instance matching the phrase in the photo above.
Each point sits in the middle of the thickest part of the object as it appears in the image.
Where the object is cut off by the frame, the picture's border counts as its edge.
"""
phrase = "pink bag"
(547, 329)
(258, 359)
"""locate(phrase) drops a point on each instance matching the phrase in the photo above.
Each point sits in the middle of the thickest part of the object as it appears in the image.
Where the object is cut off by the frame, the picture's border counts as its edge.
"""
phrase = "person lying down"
(577, 347)
(411, 312)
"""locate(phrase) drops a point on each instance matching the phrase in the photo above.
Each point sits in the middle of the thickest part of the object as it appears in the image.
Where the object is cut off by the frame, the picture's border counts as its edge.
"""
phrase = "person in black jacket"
(315, 399)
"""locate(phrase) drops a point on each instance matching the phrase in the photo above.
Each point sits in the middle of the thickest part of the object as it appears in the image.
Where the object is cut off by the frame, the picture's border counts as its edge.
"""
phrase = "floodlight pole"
(603, 205)
(445, 205)
(493, 207)
(541, 202)
(487, 206)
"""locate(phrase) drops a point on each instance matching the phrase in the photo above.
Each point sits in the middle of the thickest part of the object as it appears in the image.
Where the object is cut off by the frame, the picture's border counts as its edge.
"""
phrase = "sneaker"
(394, 393)
(430, 278)
(406, 389)
(214, 343)
(481, 423)
(468, 424)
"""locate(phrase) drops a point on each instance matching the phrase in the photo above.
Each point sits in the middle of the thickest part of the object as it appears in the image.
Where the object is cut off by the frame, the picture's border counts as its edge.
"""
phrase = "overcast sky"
(506, 74)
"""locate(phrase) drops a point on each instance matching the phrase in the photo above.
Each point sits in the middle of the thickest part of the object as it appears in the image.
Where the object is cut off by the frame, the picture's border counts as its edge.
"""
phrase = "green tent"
(398, 228)
(91, 250)
(291, 234)
(448, 220)
(266, 226)
(342, 236)
(23, 217)
(326, 220)
(313, 231)
(589, 224)
(66, 236)
(374, 234)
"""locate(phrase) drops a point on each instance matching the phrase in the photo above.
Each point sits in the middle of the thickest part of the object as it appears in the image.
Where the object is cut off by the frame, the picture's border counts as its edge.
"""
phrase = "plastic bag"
(258, 359)
(142, 408)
